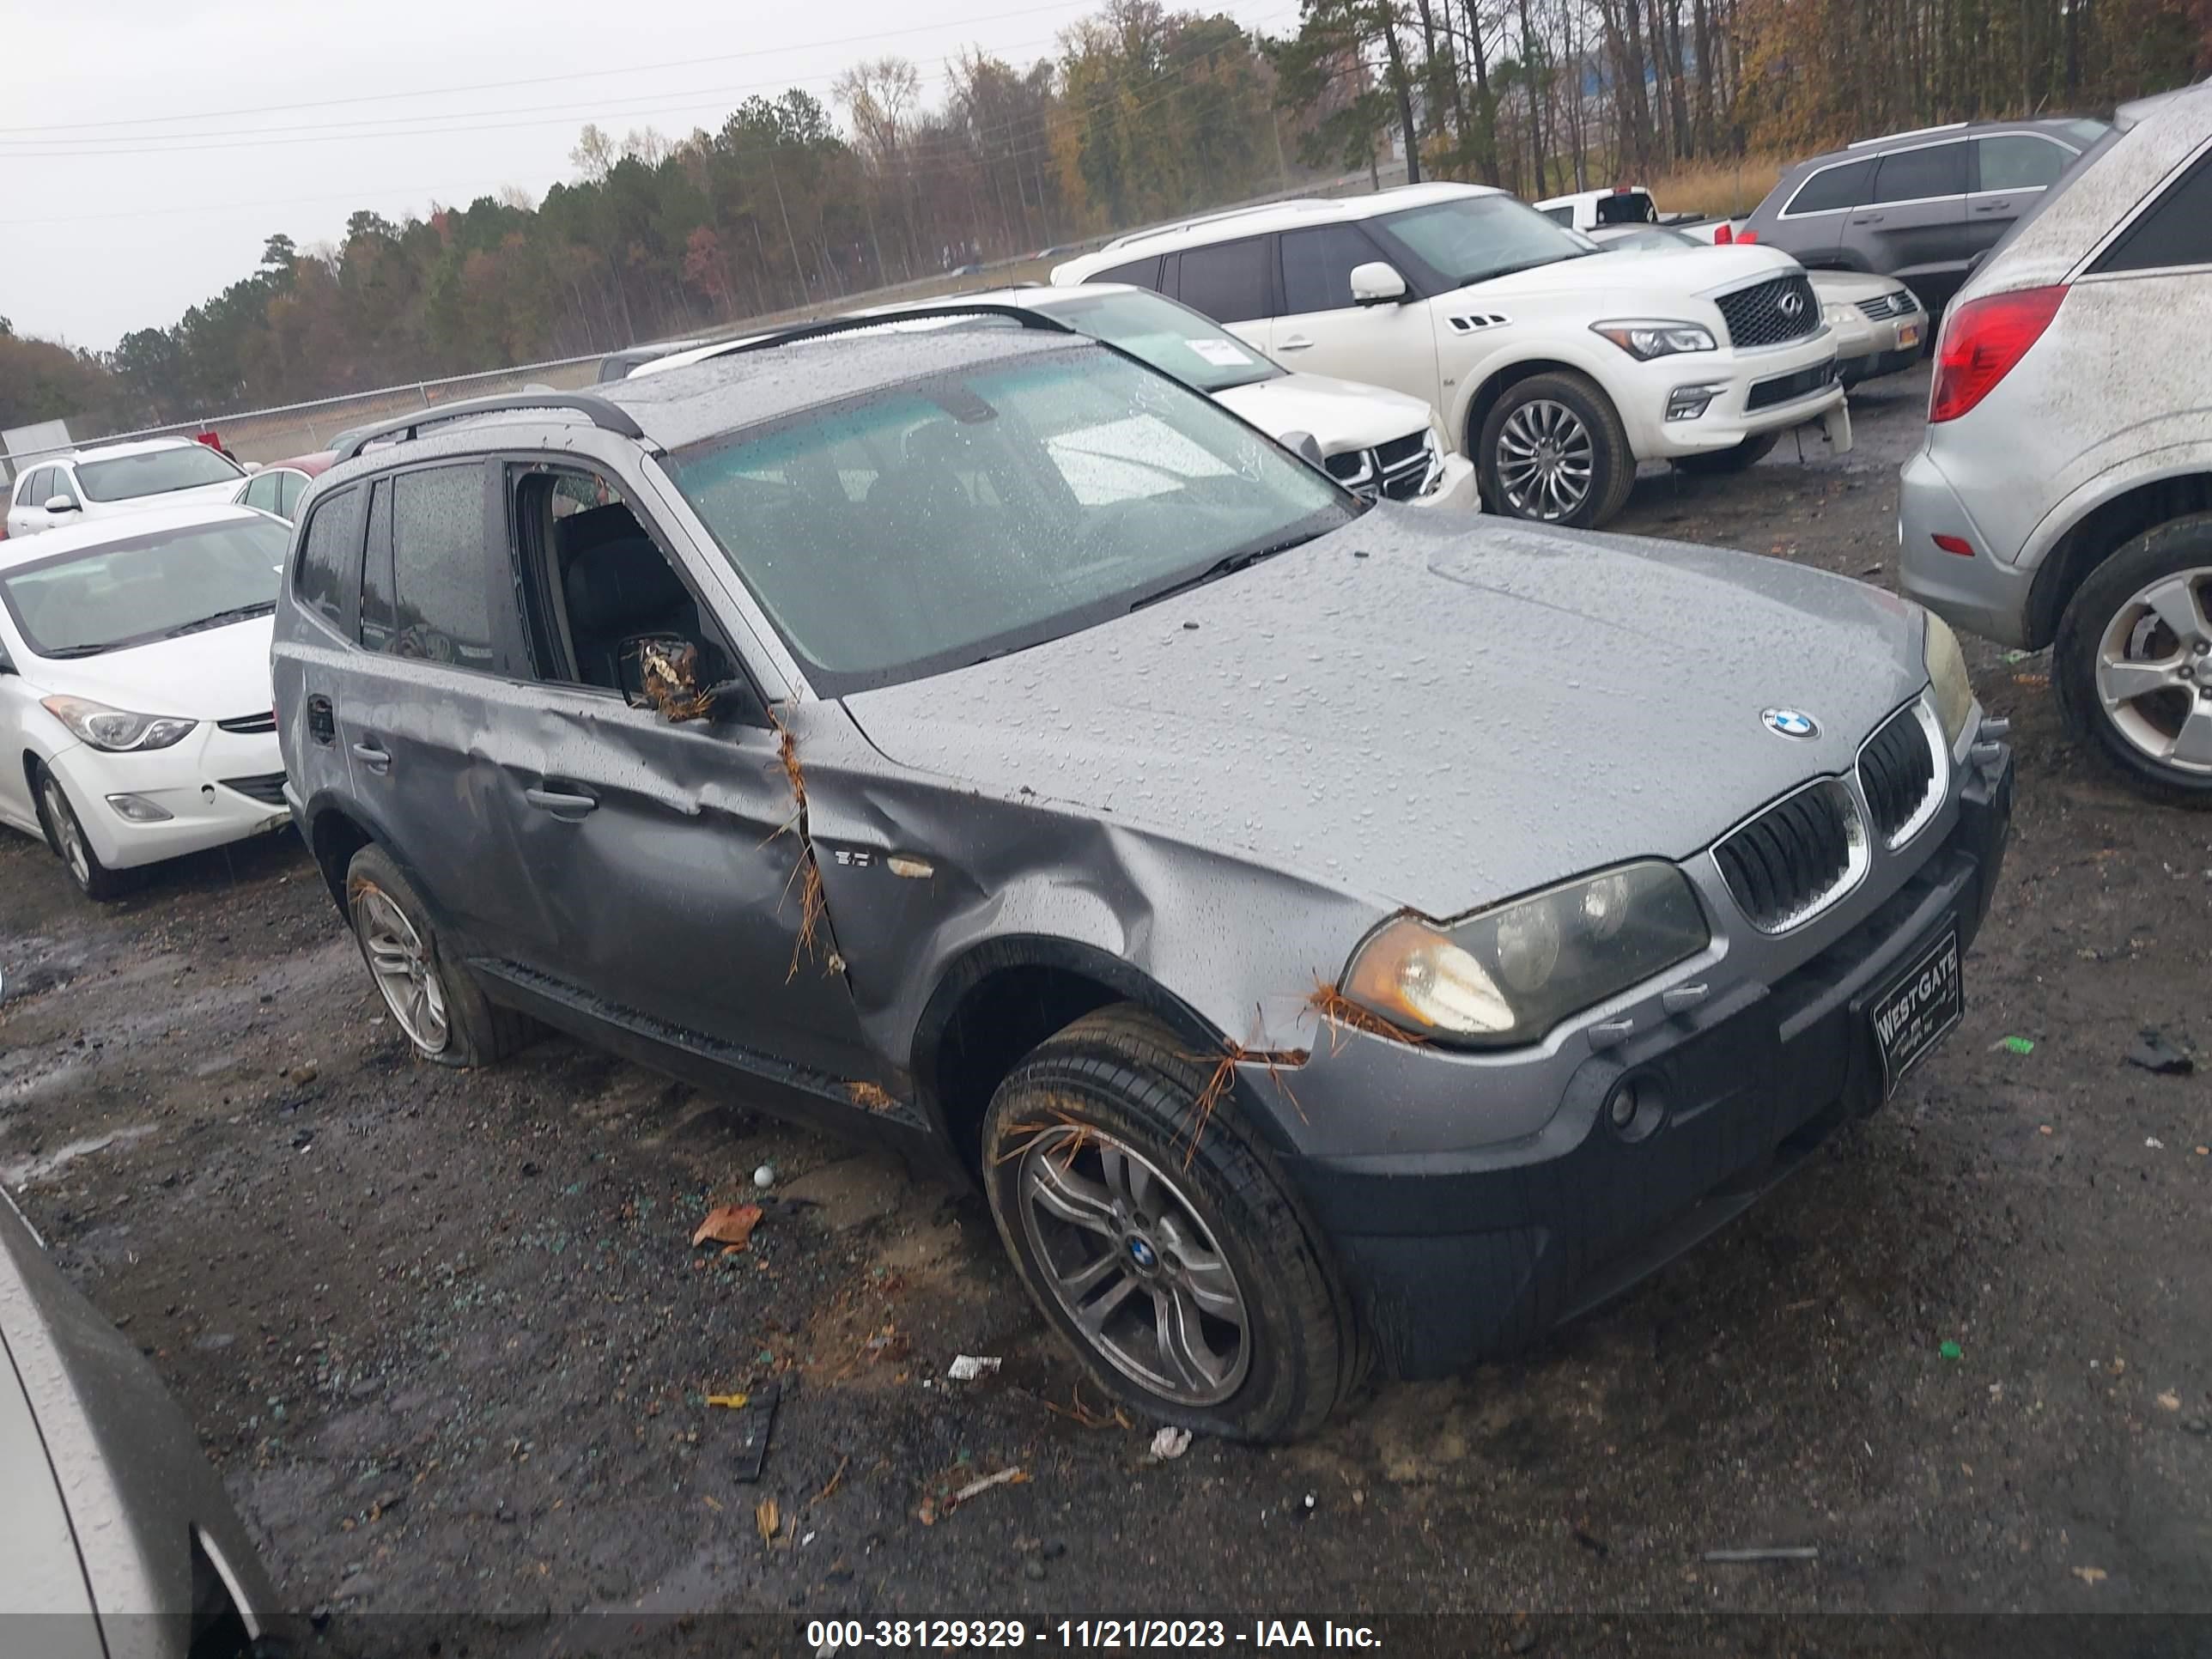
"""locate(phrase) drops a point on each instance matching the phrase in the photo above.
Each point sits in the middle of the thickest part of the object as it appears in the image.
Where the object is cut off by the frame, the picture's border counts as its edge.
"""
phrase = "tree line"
(1141, 112)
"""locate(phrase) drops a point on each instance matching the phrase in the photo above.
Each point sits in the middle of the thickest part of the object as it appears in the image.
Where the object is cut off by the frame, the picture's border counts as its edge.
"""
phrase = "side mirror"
(675, 676)
(1376, 283)
(1304, 446)
(60, 504)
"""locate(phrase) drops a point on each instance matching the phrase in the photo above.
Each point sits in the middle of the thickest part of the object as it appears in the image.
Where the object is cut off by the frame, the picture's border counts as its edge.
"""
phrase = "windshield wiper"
(236, 613)
(67, 652)
(1231, 565)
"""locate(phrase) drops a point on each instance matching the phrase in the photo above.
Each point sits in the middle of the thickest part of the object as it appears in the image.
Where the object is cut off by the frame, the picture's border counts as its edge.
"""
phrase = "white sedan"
(134, 686)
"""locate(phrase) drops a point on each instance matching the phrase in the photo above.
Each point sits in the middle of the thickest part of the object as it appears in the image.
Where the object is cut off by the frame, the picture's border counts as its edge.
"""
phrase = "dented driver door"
(669, 879)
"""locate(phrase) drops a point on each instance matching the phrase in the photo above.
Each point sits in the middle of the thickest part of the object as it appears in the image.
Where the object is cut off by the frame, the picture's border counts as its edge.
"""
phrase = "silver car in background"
(2063, 497)
(116, 1539)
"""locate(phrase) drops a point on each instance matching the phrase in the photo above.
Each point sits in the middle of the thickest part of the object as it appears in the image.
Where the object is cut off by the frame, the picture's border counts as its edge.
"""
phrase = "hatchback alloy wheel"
(403, 969)
(1124, 1252)
(2154, 671)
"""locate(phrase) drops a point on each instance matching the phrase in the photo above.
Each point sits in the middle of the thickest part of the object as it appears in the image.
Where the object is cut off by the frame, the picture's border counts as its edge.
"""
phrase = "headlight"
(115, 729)
(1838, 316)
(1508, 975)
(1644, 339)
(1946, 675)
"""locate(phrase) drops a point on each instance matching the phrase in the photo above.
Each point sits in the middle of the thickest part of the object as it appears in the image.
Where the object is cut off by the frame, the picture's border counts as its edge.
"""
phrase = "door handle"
(1991, 207)
(560, 803)
(376, 760)
(1868, 219)
(1296, 342)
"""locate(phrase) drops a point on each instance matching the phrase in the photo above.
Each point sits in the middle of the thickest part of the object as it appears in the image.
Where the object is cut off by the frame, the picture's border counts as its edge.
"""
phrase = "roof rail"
(1914, 133)
(607, 416)
(858, 321)
(1176, 227)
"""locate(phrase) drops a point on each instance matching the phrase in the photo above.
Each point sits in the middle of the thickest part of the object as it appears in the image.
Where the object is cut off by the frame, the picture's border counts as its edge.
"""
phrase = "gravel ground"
(445, 1335)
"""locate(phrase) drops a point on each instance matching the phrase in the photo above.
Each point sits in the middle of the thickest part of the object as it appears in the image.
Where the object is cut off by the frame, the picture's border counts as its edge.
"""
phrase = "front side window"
(965, 515)
(1832, 188)
(1317, 266)
(1915, 175)
(2019, 160)
(289, 488)
(441, 610)
(154, 472)
(262, 492)
(1471, 239)
(59, 484)
(1171, 338)
(1230, 282)
(329, 556)
(156, 586)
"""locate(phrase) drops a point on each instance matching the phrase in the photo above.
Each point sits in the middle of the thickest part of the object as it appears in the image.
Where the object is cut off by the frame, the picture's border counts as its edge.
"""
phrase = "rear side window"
(379, 617)
(289, 487)
(1141, 273)
(329, 556)
(2019, 160)
(1913, 175)
(1317, 265)
(2176, 229)
(35, 488)
(440, 579)
(1230, 282)
(1840, 187)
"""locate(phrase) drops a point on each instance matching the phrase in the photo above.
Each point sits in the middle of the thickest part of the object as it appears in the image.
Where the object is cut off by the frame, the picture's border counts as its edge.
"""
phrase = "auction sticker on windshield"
(1918, 1009)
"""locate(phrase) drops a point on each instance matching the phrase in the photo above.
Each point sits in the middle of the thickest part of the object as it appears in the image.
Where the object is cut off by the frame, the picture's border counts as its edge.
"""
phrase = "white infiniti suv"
(1554, 371)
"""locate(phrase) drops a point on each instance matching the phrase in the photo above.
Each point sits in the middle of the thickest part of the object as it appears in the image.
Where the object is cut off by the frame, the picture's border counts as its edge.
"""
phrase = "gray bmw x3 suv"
(1321, 931)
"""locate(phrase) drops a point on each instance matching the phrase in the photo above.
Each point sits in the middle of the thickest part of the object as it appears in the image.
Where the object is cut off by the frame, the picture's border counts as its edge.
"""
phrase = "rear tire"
(434, 1000)
(2132, 663)
(1738, 458)
(1186, 1276)
(65, 834)
(1553, 450)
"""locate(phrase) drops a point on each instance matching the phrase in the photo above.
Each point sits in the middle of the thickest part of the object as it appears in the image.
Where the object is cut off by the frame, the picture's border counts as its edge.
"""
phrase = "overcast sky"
(152, 145)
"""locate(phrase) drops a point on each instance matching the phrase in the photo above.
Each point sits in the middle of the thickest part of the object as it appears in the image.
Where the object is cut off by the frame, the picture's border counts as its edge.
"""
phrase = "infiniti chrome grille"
(1795, 858)
(1767, 313)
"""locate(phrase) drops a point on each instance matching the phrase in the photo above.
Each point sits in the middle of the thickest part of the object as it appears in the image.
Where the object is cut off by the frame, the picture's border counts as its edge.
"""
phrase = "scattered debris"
(2155, 1054)
(2169, 1401)
(302, 1074)
(736, 1402)
(2154, 1142)
(2014, 1045)
(1170, 1444)
(668, 680)
(1951, 1351)
(976, 1488)
(1340, 1013)
(967, 1367)
(944, 1497)
(767, 1518)
(872, 1096)
(732, 1225)
(764, 1176)
(2018, 656)
(813, 912)
(836, 1480)
(755, 1419)
(1774, 1553)
(2196, 1426)
(2090, 1575)
(1076, 1411)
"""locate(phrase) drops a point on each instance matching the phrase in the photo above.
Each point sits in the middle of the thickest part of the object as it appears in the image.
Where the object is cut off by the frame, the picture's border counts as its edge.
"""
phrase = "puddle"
(23, 1171)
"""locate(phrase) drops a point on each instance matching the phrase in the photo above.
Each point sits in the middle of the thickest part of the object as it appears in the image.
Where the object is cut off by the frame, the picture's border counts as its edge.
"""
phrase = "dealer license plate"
(1908, 335)
(1918, 1009)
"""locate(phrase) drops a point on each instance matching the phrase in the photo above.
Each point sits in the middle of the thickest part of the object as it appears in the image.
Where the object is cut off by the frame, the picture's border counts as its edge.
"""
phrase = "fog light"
(1635, 1107)
(1686, 403)
(138, 809)
(1621, 1107)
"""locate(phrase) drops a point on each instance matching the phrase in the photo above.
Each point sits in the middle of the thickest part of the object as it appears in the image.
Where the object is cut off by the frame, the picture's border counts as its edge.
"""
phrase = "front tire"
(1553, 449)
(1737, 457)
(65, 834)
(1168, 1252)
(437, 1005)
(2132, 664)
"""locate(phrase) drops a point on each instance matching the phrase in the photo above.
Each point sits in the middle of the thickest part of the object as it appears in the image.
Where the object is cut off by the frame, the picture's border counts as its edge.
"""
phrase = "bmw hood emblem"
(1789, 723)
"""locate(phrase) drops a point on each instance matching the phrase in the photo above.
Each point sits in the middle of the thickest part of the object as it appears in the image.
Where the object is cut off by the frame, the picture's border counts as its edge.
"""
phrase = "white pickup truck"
(1555, 366)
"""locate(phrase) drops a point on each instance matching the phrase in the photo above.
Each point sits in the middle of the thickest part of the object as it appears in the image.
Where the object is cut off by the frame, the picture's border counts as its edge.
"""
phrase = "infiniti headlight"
(1508, 975)
(1645, 338)
(115, 729)
(1946, 678)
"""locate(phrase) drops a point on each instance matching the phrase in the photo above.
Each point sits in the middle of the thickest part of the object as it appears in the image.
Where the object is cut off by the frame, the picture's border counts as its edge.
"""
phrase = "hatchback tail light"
(1745, 238)
(1980, 342)
(1723, 235)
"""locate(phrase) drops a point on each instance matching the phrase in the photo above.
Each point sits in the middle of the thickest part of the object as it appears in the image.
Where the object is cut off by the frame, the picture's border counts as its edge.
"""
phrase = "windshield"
(149, 587)
(1173, 338)
(1649, 239)
(153, 472)
(1471, 239)
(931, 524)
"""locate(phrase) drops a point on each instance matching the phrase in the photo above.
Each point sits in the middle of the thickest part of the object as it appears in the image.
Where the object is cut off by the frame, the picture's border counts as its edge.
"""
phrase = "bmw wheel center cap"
(1789, 723)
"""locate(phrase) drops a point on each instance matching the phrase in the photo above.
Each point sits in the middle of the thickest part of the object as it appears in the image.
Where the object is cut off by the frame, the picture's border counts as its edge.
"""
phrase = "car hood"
(1849, 287)
(1432, 714)
(1341, 414)
(1700, 271)
(215, 675)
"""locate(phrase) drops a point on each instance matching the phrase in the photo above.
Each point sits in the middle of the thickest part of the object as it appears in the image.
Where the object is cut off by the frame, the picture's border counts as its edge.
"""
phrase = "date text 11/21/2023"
(839, 1635)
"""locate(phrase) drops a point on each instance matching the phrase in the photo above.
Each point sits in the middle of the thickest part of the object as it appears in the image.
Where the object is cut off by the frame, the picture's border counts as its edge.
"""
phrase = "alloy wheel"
(2155, 672)
(403, 969)
(67, 835)
(1546, 460)
(1124, 1254)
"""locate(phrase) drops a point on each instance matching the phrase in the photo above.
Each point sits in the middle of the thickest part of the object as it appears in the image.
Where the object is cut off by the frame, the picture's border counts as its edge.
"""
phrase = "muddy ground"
(446, 1337)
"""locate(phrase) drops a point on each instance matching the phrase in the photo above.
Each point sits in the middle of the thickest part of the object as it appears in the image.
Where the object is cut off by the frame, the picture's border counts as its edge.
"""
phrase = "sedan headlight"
(1506, 975)
(1946, 678)
(1644, 338)
(116, 729)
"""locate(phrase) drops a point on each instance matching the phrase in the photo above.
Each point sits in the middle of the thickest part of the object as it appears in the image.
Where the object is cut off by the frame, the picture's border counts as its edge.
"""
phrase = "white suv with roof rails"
(1554, 372)
(93, 483)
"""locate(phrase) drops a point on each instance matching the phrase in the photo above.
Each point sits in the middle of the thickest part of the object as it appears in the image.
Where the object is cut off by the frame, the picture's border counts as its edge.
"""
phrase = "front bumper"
(197, 782)
(1456, 1257)
(1454, 487)
(1730, 418)
(1983, 592)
